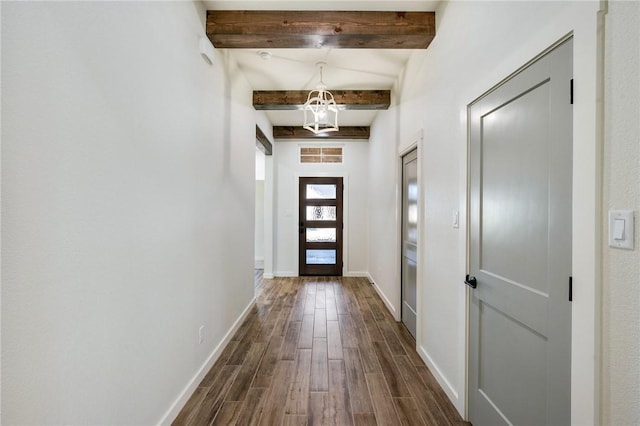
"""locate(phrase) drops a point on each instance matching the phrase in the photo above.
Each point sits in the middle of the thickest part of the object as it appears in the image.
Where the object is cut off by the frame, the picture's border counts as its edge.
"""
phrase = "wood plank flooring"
(319, 351)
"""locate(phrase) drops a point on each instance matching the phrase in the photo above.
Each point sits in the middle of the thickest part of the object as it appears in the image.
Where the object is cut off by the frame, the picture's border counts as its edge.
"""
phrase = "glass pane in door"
(321, 213)
(321, 235)
(321, 257)
(317, 191)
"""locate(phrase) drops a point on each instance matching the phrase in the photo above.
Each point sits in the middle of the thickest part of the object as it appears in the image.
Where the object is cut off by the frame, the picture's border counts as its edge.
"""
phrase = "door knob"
(471, 281)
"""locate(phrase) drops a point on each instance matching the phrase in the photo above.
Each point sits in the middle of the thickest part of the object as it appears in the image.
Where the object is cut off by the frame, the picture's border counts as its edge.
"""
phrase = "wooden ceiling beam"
(345, 132)
(264, 143)
(258, 29)
(287, 100)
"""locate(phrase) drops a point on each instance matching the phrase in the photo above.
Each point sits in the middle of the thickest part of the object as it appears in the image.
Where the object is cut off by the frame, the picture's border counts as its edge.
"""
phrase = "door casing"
(416, 142)
(468, 292)
(335, 269)
(345, 219)
(404, 279)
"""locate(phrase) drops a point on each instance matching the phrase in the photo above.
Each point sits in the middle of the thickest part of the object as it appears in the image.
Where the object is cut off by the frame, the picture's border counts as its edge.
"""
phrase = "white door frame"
(269, 216)
(587, 227)
(346, 271)
(416, 142)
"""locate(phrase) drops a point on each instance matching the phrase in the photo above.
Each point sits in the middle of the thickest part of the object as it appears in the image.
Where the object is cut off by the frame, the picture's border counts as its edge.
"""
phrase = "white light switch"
(618, 229)
(621, 229)
(455, 219)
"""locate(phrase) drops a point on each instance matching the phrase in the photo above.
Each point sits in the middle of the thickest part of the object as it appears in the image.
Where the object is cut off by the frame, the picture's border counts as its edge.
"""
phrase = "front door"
(409, 239)
(520, 247)
(320, 226)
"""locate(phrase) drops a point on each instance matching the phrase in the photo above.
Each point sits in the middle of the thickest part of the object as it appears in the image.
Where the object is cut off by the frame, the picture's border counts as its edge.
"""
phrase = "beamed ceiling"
(364, 44)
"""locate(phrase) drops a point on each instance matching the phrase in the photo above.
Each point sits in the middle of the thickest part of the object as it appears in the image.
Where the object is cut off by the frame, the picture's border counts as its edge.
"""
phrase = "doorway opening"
(259, 217)
(263, 249)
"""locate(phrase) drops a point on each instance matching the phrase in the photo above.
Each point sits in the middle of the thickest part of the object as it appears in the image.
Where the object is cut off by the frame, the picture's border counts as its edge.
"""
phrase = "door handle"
(471, 281)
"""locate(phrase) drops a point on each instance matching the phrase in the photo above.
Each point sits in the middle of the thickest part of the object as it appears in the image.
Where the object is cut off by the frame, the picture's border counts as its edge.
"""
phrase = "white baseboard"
(442, 380)
(356, 274)
(285, 274)
(259, 263)
(384, 298)
(267, 276)
(184, 396)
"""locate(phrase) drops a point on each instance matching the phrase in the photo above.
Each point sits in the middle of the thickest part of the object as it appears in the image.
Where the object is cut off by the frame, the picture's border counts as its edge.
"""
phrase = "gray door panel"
(409, 239)
(520, 247)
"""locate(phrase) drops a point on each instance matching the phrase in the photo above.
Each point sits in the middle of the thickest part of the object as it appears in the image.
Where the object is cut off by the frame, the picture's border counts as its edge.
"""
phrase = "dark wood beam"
(264, 143)
(345, 99)
(258, 29)
(345, 132)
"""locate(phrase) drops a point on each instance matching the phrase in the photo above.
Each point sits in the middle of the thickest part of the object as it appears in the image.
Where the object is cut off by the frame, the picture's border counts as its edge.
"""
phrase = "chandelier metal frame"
(320, 110)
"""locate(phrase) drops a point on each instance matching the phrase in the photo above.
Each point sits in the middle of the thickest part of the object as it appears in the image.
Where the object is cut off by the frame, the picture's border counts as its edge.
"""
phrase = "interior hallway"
(319, 351)
(128, 195)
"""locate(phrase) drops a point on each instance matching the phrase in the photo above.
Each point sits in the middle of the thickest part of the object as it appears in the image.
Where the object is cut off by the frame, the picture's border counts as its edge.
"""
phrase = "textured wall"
(479, 44)
(126, 220)
(621, 268)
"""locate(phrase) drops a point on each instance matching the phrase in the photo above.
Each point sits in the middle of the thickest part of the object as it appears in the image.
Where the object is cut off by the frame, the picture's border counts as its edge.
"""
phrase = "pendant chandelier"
(320, 110)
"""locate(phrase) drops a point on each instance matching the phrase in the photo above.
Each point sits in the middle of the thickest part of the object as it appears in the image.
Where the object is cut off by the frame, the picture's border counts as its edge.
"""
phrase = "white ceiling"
(295, 69)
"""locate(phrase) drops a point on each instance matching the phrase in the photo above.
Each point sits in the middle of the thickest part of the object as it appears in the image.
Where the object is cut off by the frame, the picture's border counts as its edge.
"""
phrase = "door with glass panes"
(320, 226)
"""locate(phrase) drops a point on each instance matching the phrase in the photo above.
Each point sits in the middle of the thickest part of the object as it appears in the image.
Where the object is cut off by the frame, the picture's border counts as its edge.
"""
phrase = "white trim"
(413, 143)
(269, 215)
(417, 143)
(586, 24)
(395, 312)
(448, 388)
(267, 276)
(283, 274)
(186, 393)
(357, 274)
(259, 263)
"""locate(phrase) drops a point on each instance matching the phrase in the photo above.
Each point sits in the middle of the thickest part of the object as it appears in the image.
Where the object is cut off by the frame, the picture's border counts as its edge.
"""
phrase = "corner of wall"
(395, 311)
(446, 385)
(186, 393)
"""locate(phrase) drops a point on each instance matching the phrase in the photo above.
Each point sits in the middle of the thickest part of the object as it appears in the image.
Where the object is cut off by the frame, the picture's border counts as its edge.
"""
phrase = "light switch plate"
(627, 238)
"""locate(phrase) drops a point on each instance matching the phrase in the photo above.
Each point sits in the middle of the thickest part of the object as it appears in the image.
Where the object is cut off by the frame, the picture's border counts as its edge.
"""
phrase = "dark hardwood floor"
(319, 351)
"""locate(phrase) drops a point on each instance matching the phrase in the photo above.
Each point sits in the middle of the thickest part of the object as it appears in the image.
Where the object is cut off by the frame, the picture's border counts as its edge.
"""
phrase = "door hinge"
(570, 289)
(571, 90)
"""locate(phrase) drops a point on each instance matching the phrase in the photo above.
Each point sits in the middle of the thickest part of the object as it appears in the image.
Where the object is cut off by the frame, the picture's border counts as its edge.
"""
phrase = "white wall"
(477, 45)
(287, 170)
(621, 269)
(126, 199)
(383, 208)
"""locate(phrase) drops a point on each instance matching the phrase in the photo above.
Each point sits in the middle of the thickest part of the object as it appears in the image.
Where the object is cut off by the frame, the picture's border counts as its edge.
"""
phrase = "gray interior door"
(409, 238)
(520, 247)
